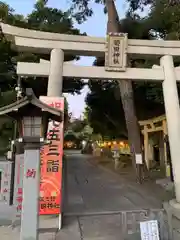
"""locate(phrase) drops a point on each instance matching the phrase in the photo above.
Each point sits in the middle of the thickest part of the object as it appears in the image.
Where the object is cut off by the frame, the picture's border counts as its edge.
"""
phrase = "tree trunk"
(133, 129)
(127, 98)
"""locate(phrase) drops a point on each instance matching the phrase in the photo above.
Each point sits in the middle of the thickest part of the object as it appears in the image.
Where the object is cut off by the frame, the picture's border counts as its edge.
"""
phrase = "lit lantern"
(121, 144)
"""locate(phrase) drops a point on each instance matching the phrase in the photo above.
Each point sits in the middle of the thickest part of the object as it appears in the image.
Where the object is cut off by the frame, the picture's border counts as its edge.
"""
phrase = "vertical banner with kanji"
(5, 167)
(18, 184)
(51, 163)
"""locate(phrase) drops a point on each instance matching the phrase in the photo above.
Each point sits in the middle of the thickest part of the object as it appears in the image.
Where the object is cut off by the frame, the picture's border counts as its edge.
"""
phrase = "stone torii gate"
(58, 44)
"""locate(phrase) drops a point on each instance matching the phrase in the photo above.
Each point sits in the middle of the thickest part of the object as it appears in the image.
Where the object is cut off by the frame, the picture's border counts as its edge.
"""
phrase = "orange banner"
(51, 163)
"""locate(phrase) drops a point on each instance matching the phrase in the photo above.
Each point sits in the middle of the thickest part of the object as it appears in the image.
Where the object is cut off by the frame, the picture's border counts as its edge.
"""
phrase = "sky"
(95, 26)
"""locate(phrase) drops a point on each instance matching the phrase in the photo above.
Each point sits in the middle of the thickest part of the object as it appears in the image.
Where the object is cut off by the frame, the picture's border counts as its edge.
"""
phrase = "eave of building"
(27, 100)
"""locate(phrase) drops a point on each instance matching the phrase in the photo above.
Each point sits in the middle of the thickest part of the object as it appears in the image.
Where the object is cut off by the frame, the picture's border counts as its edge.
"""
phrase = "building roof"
(26, 105)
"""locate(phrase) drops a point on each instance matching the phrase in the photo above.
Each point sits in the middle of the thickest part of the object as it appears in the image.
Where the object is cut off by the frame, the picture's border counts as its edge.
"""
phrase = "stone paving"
(124, 225)
(93, 189)
(95, 199)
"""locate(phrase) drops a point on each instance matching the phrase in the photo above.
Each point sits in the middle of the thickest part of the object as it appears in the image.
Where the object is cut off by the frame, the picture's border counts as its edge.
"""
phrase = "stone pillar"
(55, 81)
(30, 205)
(151, 151)
(55, 87)
(162, 154)
(171, 102)
(146, 146)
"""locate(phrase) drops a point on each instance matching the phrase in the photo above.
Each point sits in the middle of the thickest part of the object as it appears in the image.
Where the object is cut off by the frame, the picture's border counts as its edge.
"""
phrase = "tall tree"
(103, 104)
(125, 87)
(140, 4)
(77, 125)
(164, 20)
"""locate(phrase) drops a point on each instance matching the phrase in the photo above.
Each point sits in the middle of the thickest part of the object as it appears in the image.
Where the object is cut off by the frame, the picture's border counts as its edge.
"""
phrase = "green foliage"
(41, 18)
(70, 136)
(77, 125)
(51, 20)
(164, 19)
(138, 4)
(6, 124)
(102, 109)
(79, 128)
(81, 10)
(105, 112)
(104, 106)
(7, 68)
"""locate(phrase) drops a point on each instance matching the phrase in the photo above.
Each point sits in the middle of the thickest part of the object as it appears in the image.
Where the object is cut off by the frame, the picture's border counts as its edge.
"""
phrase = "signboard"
(116, 52)
(149, 230)
(51, 163)
(115, 151)
(5, 181)
(138, 158)
(116, 154)
(18, 184)
(30, 206)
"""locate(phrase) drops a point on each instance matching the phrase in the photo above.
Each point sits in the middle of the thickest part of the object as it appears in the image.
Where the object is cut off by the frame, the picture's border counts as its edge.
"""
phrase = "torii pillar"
(55, 81)
(171, 102)
(55, 87)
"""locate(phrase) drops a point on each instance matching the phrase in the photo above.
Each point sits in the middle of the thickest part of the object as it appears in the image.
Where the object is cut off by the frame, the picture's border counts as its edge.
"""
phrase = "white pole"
(55, 85)
(171, 102)
(30, 205)
(55, 82)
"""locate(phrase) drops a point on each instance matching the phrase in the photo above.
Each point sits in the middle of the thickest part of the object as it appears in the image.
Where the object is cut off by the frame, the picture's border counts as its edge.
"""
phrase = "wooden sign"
(116, 52)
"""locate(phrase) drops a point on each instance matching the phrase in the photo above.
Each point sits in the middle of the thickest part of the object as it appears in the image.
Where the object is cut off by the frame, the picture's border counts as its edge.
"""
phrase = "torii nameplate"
(116, 52)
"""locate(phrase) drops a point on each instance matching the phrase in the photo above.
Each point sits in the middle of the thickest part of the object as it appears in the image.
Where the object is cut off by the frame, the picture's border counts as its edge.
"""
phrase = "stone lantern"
(32, 117)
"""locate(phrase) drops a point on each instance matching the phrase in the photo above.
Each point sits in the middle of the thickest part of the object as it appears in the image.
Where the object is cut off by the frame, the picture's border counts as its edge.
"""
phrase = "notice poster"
(51, 163)
(149, 230)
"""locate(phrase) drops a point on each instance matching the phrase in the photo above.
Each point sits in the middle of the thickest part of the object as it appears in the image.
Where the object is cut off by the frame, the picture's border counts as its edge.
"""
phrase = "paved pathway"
(90, 189)
(95, 199)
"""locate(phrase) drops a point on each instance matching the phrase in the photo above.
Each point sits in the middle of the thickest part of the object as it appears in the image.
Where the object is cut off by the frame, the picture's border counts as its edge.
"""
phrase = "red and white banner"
(51, 163)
